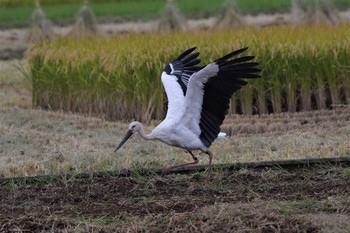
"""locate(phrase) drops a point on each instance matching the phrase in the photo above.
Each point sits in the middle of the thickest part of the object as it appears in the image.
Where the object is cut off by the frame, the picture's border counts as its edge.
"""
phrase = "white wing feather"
(175, 95)
(194, 96)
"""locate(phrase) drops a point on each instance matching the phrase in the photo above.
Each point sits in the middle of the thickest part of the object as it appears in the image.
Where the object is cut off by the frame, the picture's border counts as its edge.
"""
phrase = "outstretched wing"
(175, 79)
(183, 67)
(210, 90)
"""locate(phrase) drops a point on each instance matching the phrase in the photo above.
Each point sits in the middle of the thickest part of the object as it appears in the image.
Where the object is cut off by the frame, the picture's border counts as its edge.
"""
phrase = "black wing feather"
(219, 89)
(232, 54)
(184, 66)
(190, 58)
(237, 61)
(184, 54)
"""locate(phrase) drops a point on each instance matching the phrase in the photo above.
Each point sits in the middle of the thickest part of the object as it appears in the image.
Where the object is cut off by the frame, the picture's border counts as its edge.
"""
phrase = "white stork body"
(198, 100)
(181, 125)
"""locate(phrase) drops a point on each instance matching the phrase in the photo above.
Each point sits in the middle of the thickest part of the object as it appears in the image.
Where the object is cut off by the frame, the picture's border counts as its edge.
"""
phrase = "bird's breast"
(172, 132)
(183, 139)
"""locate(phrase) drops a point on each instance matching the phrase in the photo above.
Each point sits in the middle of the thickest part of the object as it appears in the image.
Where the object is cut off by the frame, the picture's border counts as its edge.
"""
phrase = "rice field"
(303, 69)
(17, 13)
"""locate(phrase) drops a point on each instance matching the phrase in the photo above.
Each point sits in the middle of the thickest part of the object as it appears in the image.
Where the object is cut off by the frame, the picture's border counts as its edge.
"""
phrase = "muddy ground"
(308, 199)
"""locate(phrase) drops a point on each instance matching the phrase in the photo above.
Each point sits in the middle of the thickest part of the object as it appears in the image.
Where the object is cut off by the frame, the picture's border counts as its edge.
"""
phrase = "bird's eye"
(133, 127)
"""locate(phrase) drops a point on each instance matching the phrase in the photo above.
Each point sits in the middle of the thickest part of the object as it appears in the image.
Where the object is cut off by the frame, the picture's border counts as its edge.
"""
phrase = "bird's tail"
(222, 135)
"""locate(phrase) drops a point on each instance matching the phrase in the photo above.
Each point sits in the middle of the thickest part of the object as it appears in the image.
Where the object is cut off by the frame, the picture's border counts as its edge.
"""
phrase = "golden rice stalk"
(172, 19)
(303, 68)
(86, 23)
(230, 16)
(41, 26)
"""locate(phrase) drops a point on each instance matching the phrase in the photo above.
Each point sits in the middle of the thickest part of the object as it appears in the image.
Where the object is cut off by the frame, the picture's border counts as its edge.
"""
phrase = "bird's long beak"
(127, 136)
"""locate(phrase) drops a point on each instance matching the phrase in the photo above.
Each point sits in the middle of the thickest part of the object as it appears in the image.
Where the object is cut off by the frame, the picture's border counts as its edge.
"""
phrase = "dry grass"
(314, 12)
(322, 11)
(171, 18)
(230, 17)
(34, 142)
(86, 23)
(37, 142)
(42, 28)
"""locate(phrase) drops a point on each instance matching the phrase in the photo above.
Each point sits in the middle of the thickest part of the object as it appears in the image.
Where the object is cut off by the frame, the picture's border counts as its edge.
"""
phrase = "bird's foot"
(206, 181)
(166, 170)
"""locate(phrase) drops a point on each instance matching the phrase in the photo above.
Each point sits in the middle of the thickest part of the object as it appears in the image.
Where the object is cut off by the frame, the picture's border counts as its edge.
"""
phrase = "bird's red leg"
(209, 166)
(169, 168)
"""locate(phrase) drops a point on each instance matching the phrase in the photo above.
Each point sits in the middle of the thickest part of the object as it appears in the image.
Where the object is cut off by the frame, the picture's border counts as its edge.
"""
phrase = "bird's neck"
(144, 135)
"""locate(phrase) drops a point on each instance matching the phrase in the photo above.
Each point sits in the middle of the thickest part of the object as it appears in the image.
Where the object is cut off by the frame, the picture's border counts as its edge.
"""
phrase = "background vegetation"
(17, 13)
(303, 69)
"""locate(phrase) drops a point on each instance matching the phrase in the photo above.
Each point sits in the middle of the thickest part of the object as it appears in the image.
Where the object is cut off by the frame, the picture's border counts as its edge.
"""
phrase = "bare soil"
(268, 200)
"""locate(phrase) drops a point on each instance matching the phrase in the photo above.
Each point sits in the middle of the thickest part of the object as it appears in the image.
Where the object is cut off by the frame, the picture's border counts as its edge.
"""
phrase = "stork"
(198, 100)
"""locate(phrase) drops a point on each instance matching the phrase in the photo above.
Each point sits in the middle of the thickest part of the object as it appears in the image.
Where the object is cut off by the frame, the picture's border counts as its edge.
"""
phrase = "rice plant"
(322, 11)
(299, 8)
(171, 18)
(303, 68)
(314, 12)
(86, 23)
(230, 16)
(41, 26)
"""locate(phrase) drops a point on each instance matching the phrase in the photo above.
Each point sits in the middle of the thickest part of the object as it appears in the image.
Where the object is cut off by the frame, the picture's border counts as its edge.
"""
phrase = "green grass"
(19, 14)
(303, 69)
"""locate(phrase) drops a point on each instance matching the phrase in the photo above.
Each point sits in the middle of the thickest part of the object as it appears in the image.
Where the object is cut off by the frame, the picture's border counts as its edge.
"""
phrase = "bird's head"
(133, 127)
